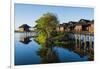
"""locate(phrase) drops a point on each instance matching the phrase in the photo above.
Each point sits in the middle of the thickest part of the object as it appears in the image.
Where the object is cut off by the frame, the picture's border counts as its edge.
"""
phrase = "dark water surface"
(28, 51)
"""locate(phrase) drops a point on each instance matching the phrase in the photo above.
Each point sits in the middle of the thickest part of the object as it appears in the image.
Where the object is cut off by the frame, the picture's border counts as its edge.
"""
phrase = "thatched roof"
(72, 22)
(84, 21)
(24, 26)
(63, 25)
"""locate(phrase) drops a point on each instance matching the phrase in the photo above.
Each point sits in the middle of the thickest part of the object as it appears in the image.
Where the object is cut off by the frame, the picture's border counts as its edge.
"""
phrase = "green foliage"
(45, 26)
(41, 38)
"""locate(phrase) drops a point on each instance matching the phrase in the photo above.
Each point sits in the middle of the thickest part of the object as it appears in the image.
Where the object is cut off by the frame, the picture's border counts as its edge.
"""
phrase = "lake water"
(28, 51)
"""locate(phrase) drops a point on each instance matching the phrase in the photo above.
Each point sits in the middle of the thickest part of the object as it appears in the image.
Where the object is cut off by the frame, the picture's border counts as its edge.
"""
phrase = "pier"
(83, 40)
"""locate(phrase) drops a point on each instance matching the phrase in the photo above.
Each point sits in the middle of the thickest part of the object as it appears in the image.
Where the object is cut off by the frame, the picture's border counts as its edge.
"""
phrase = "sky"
(29, 13)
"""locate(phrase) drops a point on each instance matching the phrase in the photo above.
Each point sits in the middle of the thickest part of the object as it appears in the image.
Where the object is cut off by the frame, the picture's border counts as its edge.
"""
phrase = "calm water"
(28, 51)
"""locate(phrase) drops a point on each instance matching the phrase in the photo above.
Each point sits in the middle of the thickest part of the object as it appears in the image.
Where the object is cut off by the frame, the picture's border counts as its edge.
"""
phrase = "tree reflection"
(48, 54)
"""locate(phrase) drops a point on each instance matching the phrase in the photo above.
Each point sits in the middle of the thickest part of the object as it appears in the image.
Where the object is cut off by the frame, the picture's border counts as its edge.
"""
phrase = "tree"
(46, 25)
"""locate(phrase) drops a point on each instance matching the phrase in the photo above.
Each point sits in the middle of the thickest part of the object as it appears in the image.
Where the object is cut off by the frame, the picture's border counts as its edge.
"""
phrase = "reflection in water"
(25, 39)
(48, 55)
(70, 50)
(85, 46)
(77, 46)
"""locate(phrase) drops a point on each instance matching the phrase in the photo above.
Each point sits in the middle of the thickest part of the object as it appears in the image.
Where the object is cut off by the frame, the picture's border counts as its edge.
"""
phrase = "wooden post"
(84, 41)
(76, 41)
(90, 42)
(79, 41)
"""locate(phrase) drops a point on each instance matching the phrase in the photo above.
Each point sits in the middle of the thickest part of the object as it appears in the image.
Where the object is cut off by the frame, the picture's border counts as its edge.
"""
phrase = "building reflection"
(78, 45)
(49, 55)
(24, 39)
(84, 49)
(83, 45)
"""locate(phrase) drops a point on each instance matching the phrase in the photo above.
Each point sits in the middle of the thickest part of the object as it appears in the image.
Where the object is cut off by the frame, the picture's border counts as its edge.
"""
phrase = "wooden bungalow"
(84, 25)
(71, 25)
(78, 28)
(62, 27)
(91, 27)
(81, 25)
(24, 28)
